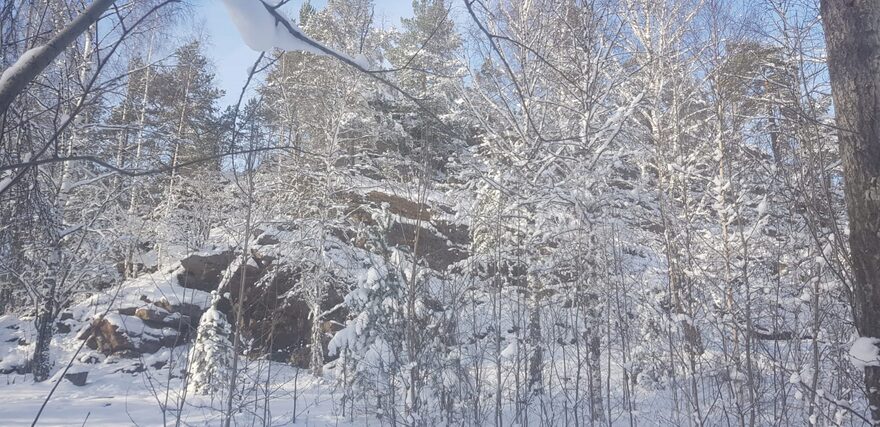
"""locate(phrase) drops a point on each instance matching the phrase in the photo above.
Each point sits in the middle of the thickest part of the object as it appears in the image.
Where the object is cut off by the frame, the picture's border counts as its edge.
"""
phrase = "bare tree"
(34, 61)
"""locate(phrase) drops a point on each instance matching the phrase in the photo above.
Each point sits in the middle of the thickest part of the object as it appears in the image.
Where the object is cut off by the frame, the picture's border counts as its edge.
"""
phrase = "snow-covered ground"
(134, 390)
(112, 397)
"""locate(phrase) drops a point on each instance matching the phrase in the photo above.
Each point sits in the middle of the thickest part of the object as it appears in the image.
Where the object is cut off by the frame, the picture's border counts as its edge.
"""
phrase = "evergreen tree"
(189, 129)
(372, 344)
(209, 359)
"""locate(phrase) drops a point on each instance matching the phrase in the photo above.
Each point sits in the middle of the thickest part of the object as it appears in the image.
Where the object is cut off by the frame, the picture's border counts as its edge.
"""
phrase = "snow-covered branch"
(15, 78)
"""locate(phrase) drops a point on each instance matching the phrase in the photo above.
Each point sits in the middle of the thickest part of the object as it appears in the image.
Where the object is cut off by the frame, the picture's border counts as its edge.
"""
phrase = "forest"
(486, 213)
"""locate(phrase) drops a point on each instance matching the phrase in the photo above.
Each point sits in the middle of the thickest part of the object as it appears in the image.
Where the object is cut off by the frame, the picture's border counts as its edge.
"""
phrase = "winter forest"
(487, 213)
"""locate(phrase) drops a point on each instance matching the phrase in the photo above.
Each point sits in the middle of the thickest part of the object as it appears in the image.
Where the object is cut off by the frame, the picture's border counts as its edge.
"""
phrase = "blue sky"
(232, 58)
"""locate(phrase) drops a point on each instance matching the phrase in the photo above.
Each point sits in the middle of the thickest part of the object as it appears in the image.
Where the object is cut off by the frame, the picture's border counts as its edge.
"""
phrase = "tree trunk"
(316, 361)
(536, 350)
(852, 33)
(44, 321)
(41, 361)
(34, 61)
(594, 343)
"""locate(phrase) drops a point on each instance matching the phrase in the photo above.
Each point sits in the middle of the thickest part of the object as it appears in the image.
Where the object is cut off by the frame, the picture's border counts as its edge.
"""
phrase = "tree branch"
(143, 172)
(15, 79)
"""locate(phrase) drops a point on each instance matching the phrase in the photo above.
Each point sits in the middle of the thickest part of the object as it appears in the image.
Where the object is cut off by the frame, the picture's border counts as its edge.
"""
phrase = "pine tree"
(186, 113)
(209, 359)
(372, 342)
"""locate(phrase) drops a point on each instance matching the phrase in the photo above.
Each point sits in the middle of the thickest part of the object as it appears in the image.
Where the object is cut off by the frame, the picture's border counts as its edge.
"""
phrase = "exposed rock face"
(401, 206)
(434, 247)
(144, 329)
(440, 243)
(276, 320)
(204, 272)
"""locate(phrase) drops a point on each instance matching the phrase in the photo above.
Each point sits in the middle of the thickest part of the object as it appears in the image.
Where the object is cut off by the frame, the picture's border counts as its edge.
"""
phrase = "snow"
(113, 392)
(865, 352)
(125, 322)
(120, 399)
(20, 63)
(125, 391)
(5, 180)
(469, 325)
(15, 357)
(150, 287)
(262, 32)
(510, 351)
(340, 340)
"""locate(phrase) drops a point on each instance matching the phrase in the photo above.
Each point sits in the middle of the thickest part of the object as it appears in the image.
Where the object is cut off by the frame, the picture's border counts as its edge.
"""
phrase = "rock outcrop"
(440, 243)
(204, 271)
(144, 329)
(276, 320)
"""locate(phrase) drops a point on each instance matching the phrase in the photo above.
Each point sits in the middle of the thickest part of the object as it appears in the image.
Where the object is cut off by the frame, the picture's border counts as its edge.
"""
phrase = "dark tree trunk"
(535, 337)
(597, 412)
(852, 33)
(41, 362)
(536, 351)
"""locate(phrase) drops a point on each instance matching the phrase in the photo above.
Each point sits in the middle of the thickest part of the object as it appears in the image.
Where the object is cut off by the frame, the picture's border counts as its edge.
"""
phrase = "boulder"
(77, 378)
(151, 314)
(150, 329)
(267, 240)
(107, 337)
(182, 313)
(204, 272)
(63, 325)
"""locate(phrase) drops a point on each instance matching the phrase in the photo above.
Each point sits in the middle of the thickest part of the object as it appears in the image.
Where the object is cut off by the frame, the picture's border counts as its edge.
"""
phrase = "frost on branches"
(595, 213)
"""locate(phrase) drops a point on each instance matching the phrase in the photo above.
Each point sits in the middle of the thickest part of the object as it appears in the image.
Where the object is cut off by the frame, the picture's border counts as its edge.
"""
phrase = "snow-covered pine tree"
(372, 345)
(210, 356)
